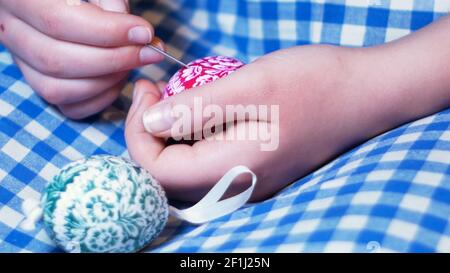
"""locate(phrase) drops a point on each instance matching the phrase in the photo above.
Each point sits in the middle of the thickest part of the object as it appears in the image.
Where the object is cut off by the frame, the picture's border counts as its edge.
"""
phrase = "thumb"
(122, 6)
(143, 147)
(145, 94)
(225, 100)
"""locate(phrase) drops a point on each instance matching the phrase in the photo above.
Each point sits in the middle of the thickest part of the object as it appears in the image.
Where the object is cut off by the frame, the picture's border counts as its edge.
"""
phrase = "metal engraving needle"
(167, 55)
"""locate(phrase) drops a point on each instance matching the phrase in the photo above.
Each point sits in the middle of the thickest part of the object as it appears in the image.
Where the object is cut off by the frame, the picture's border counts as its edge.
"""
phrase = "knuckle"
(117, 61)
(108, 29)
(260, 78)
(49, 64)
(50, 20)
(51, 92)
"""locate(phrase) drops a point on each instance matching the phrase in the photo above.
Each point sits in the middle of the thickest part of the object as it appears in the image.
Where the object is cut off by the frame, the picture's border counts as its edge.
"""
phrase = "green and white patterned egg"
(104, 204)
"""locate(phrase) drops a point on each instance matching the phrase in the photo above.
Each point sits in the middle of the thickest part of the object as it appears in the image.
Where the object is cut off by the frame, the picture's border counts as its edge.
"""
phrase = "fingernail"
(114, 5)
(148, 55)
(158, 119)
(140, 35)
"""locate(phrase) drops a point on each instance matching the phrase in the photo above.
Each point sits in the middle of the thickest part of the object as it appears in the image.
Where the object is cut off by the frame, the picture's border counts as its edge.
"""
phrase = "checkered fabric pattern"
(391, 193)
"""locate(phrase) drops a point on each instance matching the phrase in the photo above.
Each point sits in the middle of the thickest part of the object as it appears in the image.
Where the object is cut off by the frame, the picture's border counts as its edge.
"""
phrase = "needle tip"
(167, 55)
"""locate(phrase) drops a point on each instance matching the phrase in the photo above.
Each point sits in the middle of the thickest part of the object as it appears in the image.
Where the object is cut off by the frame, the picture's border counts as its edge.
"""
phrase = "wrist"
(414, 70)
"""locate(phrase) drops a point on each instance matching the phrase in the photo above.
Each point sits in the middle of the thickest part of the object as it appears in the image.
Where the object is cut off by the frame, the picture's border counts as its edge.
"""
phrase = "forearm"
(400, 81)
(415, 71)
(425, 56)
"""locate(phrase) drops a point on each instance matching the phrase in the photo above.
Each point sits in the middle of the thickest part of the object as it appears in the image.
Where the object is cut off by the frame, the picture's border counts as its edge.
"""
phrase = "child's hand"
(315, 88)
(329, 98)
(75, 54)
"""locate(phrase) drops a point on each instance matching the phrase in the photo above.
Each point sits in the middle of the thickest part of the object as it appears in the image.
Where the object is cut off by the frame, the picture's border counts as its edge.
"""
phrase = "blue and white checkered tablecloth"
(391, 193)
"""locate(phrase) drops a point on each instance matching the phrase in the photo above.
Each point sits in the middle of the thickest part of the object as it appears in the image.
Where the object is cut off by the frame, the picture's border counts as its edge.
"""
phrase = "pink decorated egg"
(200, 72)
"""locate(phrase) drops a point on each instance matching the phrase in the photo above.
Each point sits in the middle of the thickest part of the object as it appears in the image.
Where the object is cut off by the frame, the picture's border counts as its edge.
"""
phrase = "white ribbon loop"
(210, 208)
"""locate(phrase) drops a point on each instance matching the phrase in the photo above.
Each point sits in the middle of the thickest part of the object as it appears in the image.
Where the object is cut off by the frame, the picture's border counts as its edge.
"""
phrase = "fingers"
(186, 172)
(189, 172)
(51, 56)
(238, 90)
(143, 147)
(84, 109)
(67, 91)
(81, 22)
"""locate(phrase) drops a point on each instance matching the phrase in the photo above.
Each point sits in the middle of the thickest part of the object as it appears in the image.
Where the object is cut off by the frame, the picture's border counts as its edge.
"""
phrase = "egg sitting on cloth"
(200, 72)
(104, 204)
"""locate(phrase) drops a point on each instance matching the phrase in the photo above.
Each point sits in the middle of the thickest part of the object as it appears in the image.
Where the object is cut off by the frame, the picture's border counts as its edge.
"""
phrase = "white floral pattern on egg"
(104, 204)
(200, 72)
